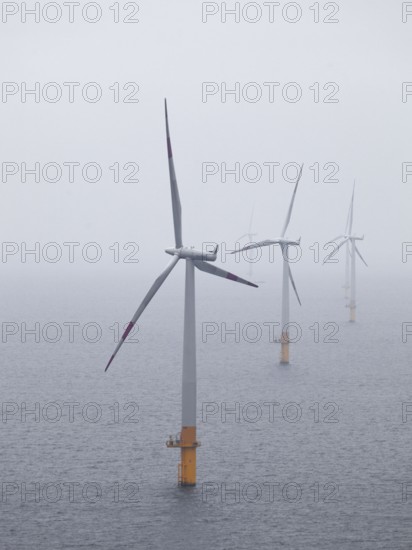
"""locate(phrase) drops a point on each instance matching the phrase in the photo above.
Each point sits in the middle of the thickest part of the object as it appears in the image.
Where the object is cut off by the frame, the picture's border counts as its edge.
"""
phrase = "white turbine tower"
(349, 239)
(194, 258)
(284, 243)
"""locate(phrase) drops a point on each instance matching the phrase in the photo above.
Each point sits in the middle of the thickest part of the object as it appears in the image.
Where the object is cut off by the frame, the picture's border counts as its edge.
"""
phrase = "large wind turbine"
(349, 239)
(284, 243)
(194, 258)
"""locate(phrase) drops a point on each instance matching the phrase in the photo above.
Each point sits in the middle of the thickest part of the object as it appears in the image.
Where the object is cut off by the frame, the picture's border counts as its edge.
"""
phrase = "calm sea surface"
(315, 455)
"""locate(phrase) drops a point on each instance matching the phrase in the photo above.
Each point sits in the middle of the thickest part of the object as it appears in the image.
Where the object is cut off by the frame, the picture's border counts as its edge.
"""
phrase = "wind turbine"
(350, 239)
(194, 258)
(284, 243)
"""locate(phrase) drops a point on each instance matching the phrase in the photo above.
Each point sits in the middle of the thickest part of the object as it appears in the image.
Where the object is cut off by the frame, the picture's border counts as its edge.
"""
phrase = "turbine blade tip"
(108, 364)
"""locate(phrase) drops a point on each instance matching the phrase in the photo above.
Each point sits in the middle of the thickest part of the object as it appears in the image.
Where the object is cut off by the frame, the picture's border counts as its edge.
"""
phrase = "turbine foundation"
(186, 476)
(284, 349)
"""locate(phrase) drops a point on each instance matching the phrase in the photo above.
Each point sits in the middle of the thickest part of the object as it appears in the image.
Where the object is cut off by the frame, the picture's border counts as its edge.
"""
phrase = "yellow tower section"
(284, 348)
(186, 476)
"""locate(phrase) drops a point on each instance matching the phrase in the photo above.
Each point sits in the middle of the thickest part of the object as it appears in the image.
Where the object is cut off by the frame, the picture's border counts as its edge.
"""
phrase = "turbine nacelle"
(186, 253)
(346, 237)
(286, 241)
(340, 241)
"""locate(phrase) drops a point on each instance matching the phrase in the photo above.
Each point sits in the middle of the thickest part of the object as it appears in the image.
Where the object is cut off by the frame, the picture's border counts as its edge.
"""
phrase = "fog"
(170, 53)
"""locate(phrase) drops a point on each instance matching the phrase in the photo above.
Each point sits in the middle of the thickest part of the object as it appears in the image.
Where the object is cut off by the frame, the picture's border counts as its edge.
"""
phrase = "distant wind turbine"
(284, 243)
(349, 239)
(194, 258)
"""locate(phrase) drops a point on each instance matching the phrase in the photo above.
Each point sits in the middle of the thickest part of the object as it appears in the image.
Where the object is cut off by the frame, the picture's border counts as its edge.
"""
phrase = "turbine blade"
(347, 223)
(268, 242)
(177, 209)
(360, 255)
(329, 256)
(153, 289)
(210, 268)
(294, 286)
(291, 203)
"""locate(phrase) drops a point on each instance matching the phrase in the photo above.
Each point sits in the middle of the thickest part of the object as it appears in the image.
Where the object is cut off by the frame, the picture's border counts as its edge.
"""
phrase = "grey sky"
(169, 53)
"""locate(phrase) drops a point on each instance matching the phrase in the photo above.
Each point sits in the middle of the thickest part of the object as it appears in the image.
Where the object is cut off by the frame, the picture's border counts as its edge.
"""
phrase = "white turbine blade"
(329, 256)
(153, 289)
(347, 223)
(291, 204)
(177, 209)
(294, 286)
(210, 268)
(268, 242)
(360, 255)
